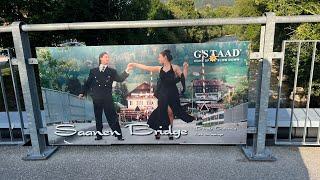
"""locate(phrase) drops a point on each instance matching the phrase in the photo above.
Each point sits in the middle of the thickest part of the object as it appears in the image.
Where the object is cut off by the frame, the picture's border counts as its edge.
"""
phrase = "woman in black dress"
(167, 93)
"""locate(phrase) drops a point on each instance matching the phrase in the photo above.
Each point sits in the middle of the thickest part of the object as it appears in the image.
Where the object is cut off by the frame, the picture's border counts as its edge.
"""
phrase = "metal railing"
(162, 23)
(316, 112)
(237, 113)
(10, 124)
(258, 151)
(60, 107)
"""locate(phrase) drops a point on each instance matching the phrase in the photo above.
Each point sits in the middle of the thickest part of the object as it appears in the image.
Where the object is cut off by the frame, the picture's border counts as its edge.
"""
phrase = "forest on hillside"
(59, 11)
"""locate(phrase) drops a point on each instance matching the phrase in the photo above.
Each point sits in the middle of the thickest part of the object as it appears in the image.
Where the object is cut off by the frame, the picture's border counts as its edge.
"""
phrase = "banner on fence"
(199, 99)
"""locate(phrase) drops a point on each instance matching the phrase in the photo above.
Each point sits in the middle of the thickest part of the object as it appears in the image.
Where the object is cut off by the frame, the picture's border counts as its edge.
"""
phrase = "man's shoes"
(170, 137)
(157, 136)
(120, 138)
(98, 138)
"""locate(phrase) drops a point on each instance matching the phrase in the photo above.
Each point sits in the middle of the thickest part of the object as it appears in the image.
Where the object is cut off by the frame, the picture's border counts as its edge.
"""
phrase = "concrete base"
(43, 156)
(249, 153)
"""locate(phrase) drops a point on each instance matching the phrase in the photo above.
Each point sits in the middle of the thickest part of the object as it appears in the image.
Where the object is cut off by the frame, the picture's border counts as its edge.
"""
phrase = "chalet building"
(208, 89)
(142, 98)
(141, 103)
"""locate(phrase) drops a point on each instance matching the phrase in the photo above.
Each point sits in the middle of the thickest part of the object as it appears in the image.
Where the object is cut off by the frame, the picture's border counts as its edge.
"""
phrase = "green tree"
(120, 93)
(55, 73)
(185, 9)
(304, 31)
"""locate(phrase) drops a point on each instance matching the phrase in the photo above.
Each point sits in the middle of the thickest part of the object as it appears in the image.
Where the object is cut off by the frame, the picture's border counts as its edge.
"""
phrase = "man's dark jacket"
(99, 84)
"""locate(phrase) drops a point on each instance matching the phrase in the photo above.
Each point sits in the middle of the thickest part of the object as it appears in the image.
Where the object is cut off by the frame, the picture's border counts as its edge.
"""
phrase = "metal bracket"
(256, 55)
(252, 156)
(30, 61)
(259, 55)
(33, 61)
(253, 130)
(43, 156)
(43, 130)
(278, 55)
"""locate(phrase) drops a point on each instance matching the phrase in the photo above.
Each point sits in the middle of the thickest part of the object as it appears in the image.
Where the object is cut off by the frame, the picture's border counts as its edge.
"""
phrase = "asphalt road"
(159, 162)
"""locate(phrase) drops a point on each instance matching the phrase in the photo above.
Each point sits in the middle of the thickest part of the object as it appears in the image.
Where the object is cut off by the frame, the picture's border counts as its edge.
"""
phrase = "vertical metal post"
(39, 149)
(17, 95)
(259, 152)
(294, 90)
(257, 105)
(259, 79)
(3, 90)
(309, 91)
(279, 90)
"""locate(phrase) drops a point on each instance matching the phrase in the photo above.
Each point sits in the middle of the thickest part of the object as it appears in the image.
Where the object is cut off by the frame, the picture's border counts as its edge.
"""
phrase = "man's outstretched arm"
(124, 75)
(120, 78)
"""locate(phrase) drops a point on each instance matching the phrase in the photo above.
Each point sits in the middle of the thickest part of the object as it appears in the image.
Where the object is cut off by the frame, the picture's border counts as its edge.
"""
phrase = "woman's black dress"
(168, 95)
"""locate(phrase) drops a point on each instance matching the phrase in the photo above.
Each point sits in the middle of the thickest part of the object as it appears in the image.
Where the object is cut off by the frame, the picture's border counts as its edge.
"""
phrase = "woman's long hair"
(167, 53)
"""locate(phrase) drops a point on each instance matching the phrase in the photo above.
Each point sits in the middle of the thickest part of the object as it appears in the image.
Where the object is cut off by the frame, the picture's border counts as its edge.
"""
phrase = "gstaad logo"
(217, 53)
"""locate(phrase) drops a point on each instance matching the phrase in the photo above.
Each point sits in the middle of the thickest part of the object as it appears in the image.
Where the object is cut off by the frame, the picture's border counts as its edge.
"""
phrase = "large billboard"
(133, 100)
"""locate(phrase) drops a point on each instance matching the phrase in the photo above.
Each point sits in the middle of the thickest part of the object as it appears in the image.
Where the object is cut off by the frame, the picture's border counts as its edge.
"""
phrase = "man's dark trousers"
(106, 104)
(99, 84)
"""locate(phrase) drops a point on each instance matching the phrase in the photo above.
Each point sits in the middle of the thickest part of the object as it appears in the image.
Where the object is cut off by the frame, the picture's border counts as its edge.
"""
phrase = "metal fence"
(62, 107)
(236, 114)
(12, 130)
(40, 149)
(303, 122)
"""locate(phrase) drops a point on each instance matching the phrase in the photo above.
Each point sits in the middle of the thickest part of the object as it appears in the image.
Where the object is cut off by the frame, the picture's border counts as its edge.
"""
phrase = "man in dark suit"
(99, 83)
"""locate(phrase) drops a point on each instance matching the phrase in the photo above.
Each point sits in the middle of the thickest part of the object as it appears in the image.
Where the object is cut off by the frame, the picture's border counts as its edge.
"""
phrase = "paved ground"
(159, 162)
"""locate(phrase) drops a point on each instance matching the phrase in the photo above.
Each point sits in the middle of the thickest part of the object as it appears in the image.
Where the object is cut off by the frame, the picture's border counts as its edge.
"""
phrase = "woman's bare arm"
(177, 70)
(145, 67)
(185, 69)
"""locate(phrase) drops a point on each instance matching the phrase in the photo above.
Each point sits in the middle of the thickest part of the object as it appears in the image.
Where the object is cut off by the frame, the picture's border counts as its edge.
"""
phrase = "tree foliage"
(60, 11)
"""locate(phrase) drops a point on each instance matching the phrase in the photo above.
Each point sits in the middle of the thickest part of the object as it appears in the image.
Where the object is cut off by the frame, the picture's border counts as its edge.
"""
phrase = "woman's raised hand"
(130, 66)
(185, 65)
